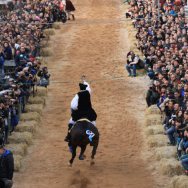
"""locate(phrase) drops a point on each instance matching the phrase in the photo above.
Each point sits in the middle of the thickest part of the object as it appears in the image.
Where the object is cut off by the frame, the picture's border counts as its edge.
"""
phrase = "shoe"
(171, 144)
(81, 158)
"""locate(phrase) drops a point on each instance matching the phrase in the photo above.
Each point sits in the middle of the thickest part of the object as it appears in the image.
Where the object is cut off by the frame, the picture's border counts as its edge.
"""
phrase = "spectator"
(44, 77)
(7, 51)
(6, 166)
(164, 43)
(132, 61)
(70, 9)
(2, 61)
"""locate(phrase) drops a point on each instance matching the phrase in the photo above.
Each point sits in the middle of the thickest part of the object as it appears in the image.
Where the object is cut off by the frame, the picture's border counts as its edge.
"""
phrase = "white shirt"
(74, 102)
(64, 2)
(4, 91)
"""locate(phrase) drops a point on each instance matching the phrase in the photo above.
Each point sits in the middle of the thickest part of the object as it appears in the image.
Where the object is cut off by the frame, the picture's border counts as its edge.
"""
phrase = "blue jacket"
(6, 165)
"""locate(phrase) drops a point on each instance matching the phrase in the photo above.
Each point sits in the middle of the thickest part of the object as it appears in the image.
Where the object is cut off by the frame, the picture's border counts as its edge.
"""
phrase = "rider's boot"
(67, 138)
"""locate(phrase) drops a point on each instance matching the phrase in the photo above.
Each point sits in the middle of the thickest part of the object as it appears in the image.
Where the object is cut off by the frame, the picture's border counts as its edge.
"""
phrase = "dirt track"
(94, 45)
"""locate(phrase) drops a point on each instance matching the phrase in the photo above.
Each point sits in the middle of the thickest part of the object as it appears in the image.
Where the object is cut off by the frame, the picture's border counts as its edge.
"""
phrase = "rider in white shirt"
(81, 106)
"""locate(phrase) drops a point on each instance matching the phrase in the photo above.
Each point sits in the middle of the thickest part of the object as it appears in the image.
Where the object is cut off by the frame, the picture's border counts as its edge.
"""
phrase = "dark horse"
(82, 134)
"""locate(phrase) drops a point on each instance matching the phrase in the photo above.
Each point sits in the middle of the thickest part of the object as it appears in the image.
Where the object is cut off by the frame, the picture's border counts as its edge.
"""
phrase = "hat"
(82, 86)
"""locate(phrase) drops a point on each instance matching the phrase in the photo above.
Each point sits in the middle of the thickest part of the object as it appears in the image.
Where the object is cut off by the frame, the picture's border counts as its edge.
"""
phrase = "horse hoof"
(81, 158)
(92, 163)
(70, 164)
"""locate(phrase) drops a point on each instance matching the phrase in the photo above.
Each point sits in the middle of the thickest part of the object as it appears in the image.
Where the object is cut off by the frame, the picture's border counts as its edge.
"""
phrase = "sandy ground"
(95, 45)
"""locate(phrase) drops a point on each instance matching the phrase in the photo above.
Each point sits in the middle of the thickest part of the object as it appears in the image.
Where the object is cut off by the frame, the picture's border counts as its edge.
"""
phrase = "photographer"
(153, 95)
(6, 166)
(14, 114)
(44, 77)
(170, 129)
(132, 61)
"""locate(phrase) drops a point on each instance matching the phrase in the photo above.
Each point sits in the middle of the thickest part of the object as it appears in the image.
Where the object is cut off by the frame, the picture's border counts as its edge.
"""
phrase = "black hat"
(82, 86)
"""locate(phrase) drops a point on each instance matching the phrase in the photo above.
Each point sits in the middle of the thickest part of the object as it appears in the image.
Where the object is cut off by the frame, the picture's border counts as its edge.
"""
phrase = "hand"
(83, 78)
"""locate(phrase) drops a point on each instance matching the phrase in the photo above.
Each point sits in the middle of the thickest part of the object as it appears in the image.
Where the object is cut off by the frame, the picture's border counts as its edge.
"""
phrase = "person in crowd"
(132, 61)
(2, 62)
(6, 166)
(70, 9)
(152, 96)
(184, 148)
(7, 51)
(44, 77)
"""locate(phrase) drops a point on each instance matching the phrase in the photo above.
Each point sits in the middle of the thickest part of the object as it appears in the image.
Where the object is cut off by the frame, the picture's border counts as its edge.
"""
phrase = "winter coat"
(69, 6)
(6, 165)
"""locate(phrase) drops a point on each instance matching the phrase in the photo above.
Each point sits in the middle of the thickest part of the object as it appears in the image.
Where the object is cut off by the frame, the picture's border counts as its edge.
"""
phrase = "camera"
(173, 117)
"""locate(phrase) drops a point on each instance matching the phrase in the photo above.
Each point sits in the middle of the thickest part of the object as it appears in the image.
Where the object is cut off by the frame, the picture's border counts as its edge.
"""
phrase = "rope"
(121, 78)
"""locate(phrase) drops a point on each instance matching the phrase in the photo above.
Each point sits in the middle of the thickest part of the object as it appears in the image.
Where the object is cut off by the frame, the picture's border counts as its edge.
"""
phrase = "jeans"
(170, 133)
(131, 70)
(184, 161)
(151, 74)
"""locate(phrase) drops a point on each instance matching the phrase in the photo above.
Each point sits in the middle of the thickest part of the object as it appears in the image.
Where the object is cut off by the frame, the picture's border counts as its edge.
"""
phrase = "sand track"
(96, 49)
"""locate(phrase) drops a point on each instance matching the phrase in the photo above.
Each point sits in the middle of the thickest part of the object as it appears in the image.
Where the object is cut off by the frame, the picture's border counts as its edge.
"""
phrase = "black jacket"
(85, 109)
(6, 165)
(69, 6)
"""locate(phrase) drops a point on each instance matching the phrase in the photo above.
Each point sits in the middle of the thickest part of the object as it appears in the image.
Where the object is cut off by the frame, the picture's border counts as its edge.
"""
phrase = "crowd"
(163, 40)
(21, 31)
(20, 34)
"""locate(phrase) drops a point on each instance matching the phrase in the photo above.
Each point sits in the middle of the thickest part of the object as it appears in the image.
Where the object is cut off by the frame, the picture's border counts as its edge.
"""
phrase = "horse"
(5, 183)
(83, 133)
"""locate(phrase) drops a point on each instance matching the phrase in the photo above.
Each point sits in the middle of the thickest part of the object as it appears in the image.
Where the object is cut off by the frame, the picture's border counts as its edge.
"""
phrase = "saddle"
(80, 120)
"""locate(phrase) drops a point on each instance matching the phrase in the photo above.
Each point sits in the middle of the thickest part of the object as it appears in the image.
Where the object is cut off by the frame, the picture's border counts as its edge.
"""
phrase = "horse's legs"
(83, 148)
(93, 154)
(73, 154)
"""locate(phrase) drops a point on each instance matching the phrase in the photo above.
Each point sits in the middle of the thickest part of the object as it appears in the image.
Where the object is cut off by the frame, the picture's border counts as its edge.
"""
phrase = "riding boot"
(67, 138)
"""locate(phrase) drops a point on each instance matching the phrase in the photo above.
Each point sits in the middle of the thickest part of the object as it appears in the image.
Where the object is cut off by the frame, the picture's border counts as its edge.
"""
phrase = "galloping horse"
(82, 134)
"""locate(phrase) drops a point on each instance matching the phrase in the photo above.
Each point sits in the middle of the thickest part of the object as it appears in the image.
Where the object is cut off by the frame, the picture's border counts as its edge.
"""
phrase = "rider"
(6, 166)
(81, 107)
